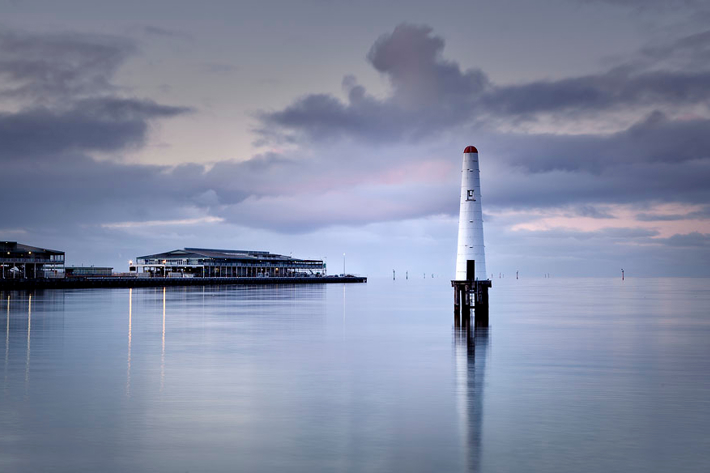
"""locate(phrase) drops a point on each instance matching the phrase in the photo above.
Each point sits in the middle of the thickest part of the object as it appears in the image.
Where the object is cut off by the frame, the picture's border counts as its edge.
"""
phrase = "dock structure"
(129, 282)
(26, 268)
(471, 284)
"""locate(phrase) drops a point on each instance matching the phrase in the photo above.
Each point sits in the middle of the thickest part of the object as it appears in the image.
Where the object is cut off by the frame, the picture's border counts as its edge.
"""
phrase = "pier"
(112, 282)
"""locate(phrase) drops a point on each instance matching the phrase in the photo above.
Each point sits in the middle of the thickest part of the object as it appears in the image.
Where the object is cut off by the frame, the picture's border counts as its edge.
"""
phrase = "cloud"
(670, 74)
(662, 5)
(352, 162)
(431, 95)
(367, 160)
(688, 52)
(340, 147)
(689, 240)
(219, 68)
(43, 67)
(618, 234)
(152, 30)
(65, 109)
(592, 212)
(158, 223)
(703, 214)
(618, 88)
(105, 124)
(64, 101)
(654, 139)
(411, 58)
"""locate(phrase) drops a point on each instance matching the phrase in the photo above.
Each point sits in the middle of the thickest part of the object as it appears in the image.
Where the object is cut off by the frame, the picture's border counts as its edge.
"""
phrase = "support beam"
(468, 296)
(482, 306)
(457, 307)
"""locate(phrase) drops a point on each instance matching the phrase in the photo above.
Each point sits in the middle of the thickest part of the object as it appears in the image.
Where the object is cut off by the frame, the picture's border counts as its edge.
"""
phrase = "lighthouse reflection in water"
(470, 351)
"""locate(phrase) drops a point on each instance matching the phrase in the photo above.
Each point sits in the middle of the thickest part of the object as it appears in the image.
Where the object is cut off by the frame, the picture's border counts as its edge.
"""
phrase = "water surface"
(574, 375)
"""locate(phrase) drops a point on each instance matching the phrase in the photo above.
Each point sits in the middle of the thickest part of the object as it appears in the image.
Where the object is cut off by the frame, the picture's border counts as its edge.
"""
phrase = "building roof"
(14, 247)
(470, 149)
(220, 254)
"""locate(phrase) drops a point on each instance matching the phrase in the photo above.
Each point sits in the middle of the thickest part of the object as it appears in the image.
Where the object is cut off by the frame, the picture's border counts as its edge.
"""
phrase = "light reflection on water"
(130, 331)
(584, 375)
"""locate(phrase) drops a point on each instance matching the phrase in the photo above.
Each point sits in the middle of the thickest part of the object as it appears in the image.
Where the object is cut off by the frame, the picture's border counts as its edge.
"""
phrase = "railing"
(24, 259)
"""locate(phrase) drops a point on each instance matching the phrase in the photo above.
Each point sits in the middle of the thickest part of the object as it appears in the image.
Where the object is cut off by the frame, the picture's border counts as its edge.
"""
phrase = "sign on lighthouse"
(470, 245)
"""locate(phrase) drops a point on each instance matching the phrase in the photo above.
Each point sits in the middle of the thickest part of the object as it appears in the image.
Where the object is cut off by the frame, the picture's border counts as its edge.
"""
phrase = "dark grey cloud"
(431, 95)
(219, 68)
(643, 217)
(619, 234)
(412, 60)
(613, 90)
(65, 107)
(153, 30)
(655, 139)
(98, 124)
(662, 5)
(630, 184)
(703, 214)
(689, 52)
(60, 65)
(592, 212)
(690, 240)
(674, 73)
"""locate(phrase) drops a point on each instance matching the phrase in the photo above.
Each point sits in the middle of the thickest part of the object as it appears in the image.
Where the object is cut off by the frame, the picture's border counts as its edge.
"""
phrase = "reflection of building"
(87, 271)
(203, 262)
(24, 261)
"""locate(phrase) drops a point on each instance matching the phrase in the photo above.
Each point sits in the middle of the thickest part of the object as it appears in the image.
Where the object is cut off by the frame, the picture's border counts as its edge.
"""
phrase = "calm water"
(581, 375)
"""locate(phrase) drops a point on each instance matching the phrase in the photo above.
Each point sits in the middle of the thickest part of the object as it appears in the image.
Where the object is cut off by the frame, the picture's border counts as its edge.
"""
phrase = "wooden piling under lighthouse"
(471, 294)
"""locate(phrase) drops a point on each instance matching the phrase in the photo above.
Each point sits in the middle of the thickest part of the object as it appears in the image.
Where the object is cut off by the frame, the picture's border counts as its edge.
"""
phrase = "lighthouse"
(471, 284)
(470, 245)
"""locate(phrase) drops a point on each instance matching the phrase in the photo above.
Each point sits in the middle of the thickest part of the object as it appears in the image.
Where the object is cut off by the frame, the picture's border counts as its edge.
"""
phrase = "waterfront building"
(19, 261)
(205, 262)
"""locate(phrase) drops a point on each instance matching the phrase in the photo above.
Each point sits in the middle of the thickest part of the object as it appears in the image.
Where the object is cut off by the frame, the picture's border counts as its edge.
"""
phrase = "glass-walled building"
(204, 262)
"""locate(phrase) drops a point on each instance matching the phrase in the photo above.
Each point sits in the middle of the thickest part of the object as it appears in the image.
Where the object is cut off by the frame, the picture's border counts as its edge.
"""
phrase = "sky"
(334, 129)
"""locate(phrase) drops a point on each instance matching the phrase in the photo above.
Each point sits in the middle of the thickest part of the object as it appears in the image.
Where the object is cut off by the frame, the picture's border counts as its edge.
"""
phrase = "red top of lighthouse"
(470, 149)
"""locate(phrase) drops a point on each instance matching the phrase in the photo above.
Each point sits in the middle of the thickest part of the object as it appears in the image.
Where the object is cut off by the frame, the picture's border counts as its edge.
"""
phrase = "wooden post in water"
(466, 306)
(470, 284)
(481, 304)
(457, 306)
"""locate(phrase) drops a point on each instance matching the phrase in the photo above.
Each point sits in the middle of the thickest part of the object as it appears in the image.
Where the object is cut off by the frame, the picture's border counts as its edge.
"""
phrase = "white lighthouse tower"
(470, 246)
